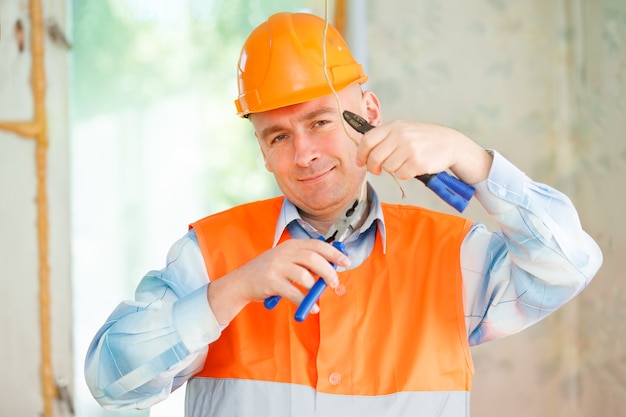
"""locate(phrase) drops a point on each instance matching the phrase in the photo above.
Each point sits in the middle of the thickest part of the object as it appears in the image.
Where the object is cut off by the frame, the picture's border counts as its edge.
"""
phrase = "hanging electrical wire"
(334, 92)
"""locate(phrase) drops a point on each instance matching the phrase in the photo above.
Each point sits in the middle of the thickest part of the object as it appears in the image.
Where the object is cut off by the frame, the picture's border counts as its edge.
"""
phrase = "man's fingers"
(294, 266)
(318, 248)
(369, 148)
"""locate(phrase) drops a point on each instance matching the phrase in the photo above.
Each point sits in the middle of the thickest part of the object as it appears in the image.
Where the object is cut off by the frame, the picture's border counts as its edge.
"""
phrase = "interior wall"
(599, 137)
(21, 387)
(543, 83)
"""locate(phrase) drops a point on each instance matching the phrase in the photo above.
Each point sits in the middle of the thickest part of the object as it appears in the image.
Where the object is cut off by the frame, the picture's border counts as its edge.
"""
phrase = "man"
(416, 290)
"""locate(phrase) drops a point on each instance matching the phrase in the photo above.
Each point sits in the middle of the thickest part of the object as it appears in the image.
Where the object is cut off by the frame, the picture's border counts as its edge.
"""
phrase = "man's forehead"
(295, 113)
(326, 106)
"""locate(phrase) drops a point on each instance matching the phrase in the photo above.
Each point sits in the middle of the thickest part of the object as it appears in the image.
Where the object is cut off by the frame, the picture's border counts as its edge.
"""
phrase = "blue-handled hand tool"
(341, 229)
(451, 189)
(316, 290)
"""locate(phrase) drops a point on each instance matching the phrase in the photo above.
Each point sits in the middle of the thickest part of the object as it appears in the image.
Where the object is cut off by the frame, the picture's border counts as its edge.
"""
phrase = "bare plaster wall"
(21, 391)
(544, 82)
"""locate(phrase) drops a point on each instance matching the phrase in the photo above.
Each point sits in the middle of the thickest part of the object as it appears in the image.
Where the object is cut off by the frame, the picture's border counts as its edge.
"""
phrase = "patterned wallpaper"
(544, 82)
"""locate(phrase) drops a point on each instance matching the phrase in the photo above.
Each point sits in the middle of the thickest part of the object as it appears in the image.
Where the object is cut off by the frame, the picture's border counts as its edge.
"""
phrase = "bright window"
(155, 144)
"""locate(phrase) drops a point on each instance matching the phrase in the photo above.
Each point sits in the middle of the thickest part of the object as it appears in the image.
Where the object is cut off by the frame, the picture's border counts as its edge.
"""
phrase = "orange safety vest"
(395, 324)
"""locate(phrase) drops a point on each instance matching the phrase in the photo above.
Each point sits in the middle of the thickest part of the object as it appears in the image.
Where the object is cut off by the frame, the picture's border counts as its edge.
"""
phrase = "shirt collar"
(289, 213)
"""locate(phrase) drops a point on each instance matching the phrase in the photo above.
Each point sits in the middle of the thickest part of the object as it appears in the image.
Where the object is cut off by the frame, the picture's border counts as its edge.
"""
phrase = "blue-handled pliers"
(341, 229)
(451, 189)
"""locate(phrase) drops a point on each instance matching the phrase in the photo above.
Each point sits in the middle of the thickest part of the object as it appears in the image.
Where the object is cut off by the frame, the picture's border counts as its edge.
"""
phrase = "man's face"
(307, 149)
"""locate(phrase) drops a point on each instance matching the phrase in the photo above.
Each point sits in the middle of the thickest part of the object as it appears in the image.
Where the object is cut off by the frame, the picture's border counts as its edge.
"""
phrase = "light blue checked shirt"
(540, 259)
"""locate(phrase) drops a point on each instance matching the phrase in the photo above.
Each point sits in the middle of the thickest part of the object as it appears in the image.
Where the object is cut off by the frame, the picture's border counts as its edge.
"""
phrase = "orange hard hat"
(281, 63)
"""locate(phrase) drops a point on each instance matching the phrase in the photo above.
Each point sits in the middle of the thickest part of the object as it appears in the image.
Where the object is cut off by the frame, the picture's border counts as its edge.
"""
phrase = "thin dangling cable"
(332, 89)
(330, 84)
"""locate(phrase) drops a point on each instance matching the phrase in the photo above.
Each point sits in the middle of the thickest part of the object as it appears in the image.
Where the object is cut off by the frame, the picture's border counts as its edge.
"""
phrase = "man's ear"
(371, 108)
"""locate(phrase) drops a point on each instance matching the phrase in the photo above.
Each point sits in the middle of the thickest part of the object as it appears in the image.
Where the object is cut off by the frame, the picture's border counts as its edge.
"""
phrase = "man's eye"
(279, 138)
(320, 122)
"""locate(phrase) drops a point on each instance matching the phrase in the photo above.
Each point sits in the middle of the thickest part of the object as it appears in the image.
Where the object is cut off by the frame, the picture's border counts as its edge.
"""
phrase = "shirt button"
(340, 290)
(502, 192)
(334, 378)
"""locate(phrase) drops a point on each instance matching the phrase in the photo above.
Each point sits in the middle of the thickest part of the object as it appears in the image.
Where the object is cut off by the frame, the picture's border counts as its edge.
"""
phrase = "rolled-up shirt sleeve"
(539, 259)
(151, 345)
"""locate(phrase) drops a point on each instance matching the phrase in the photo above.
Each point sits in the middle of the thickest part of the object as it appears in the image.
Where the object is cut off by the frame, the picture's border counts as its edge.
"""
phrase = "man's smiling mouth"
(316, 177)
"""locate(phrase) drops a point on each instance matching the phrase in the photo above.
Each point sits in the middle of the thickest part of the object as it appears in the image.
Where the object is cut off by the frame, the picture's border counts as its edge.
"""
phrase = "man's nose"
(306, 149)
